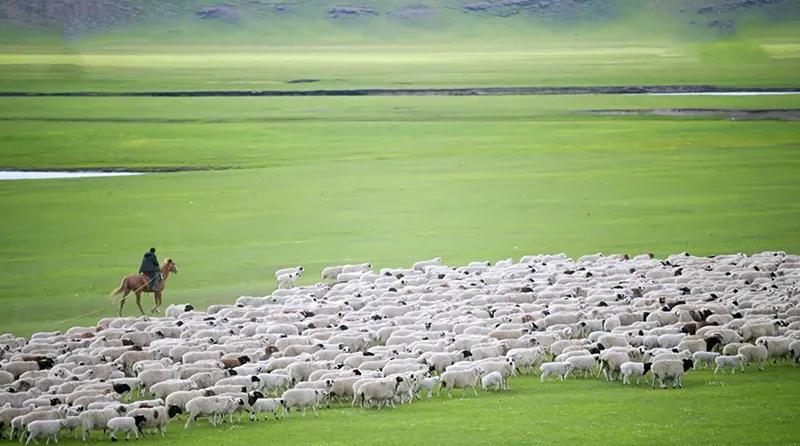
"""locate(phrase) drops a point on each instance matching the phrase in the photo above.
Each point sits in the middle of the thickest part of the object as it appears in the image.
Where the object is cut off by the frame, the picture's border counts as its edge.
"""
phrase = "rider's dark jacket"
(149, 263)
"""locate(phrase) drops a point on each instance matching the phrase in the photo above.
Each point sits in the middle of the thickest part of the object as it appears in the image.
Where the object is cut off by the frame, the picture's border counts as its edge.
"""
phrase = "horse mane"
(167, 261)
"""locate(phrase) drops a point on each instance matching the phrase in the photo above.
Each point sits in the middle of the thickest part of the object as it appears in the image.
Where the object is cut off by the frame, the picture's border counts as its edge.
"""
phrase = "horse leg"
(156, 301)
(139, 302)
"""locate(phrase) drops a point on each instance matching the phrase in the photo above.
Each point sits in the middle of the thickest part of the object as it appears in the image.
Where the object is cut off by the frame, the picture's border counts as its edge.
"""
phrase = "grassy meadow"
(760, 407)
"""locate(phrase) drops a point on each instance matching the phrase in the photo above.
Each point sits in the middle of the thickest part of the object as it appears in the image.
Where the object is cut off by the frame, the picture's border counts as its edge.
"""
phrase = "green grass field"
(750, 408)
(329, 180)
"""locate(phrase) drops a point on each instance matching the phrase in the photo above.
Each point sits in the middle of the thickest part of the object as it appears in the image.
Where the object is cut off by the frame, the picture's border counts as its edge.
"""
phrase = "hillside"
(266, 21)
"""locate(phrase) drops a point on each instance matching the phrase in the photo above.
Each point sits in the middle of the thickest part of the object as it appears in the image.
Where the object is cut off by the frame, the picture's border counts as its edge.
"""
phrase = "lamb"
(126, 425)
(295, 269)
(630, 369)
(44, 428)
(429, 383)
(302, 399)
(729, 361)
(264, 405)
(754, 353)
(462, 379)
(670, 369)
(287, 280)
(492, 380)
(176, 310)
(704, 358)
(560, 369)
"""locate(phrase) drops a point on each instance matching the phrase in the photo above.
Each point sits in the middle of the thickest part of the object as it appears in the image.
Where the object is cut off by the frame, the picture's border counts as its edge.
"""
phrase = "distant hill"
(270, 20)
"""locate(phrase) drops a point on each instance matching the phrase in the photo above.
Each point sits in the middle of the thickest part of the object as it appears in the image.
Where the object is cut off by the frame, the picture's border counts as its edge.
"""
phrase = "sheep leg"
(474, 391)
(316, 414)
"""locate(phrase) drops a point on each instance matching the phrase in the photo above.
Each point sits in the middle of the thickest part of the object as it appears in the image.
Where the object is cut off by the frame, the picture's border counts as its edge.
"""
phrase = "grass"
(711, 409)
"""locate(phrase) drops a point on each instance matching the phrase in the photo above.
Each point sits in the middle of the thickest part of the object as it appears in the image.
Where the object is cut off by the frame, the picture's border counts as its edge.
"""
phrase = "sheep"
(302, 399)
(126, 425)
(492, 380)
(379, 391)
(777, 347)
(164, 388)
(44, 428)
(156, 417)
(462, 379)
(359, 268)
(98, 419)
(704, 358)
(180, 398)
(754, 353)
(630, 369)
(559, 369)
(212, 407)
(287, 280)
(429, 383)
(252, 382)
(610, 361)
(150, 377)
(176, 310)
(264, 405)
(331, 272)
(6, 377)
(729, 361)
(422, 264)
(670, 369)
(273, 382)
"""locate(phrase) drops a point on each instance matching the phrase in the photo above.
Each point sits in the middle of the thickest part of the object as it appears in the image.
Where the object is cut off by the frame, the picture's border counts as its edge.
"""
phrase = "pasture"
(273, 182)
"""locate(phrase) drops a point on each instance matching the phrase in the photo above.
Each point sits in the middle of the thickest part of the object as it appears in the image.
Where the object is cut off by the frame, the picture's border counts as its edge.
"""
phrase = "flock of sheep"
(380, 338)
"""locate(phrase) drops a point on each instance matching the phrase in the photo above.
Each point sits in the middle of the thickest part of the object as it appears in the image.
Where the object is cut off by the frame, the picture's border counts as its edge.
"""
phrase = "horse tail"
(119, 289)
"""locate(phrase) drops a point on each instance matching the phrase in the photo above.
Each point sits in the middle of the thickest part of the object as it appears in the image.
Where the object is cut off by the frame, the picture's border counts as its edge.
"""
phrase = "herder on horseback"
(151, 269)
(151, 278)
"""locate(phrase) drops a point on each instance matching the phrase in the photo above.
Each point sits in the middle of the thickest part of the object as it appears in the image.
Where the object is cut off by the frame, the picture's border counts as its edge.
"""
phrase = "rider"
(151, 269)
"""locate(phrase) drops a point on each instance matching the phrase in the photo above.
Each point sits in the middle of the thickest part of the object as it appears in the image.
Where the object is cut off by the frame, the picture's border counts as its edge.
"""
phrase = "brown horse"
(137, 284)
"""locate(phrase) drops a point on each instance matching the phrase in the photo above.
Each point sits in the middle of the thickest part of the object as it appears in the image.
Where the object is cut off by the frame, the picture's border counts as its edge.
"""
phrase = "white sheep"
(729, 361)
(359, 268)
(302, 399)
(212, 407)
(460, 379)
(295, 269)
(559, 369)
(126, 425)
(633, 369)
(266, 405)
(379, 391)
(287, 280)
(754, 353)
(582, 363)
(428, 383)
(670, 370)
(704, 358)
(331, 272)
(164, 388)
(97, 419)
(492, 380)
(44, 428)
(175, 310)
(422, 264)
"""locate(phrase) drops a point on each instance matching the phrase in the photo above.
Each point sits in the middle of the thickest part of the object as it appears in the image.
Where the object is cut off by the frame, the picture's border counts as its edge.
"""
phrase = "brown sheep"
(231, 363)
